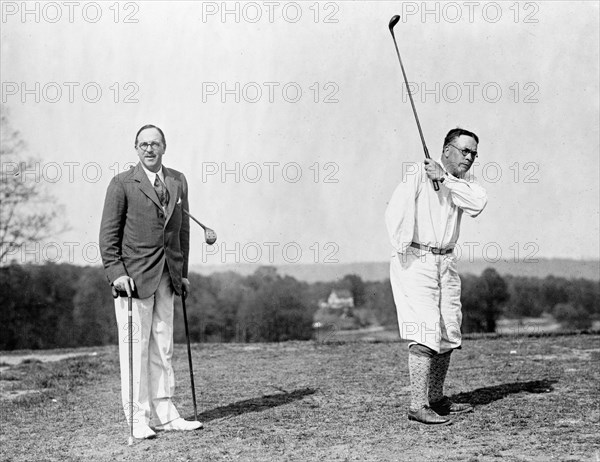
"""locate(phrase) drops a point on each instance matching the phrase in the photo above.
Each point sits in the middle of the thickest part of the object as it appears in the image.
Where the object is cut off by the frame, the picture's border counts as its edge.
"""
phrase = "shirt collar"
(439, 161)
(445, 169)
(152, 176)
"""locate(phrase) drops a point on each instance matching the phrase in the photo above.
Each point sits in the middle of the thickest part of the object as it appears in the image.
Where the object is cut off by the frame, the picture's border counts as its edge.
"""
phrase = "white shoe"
(142, 432)
(180, 424)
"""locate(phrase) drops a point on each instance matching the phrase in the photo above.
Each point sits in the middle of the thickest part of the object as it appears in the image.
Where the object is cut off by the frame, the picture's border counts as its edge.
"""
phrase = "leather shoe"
(179, 424)
(427, 416)
(447, 407)
(142, 432)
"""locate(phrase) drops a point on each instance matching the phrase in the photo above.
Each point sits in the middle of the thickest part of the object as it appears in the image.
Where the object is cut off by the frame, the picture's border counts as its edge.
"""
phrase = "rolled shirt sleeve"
(467, 195)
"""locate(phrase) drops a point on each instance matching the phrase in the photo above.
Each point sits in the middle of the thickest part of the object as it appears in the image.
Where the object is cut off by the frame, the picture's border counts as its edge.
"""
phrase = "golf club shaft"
(412, 103)
(189, 349)
(192, 217)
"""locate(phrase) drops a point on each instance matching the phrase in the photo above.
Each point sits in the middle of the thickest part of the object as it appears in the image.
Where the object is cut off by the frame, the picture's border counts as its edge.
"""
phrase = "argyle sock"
(437, 376)
(419, 366)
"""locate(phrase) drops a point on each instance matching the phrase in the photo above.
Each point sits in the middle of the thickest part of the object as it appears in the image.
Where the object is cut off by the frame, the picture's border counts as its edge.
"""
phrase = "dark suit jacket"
(137, 238)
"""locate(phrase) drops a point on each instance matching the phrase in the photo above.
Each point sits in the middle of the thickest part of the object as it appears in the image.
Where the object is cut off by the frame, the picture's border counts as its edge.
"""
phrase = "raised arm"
(469, 196)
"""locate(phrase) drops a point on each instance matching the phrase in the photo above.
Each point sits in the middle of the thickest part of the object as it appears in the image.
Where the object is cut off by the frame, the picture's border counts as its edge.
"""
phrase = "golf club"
(393, 22)
(115, 294)
(209, 235)
(187, 336)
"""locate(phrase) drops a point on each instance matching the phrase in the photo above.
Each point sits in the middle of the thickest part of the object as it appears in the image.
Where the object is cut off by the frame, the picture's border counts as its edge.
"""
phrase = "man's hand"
(434, 170)
(124, 284)
(186, 286)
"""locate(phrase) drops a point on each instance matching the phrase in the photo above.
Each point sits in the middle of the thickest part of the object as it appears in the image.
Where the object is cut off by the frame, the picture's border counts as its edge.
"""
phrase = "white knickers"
(426, 290)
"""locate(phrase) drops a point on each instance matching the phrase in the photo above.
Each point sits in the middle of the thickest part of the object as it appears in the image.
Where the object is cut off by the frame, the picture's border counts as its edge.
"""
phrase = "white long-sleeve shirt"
(417, 213)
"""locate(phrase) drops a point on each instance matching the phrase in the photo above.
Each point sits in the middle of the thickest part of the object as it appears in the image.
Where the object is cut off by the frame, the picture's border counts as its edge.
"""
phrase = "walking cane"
(115, 294)
(130, 336)
(187, 336)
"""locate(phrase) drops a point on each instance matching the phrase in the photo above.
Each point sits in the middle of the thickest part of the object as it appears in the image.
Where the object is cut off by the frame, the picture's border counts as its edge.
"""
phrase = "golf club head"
(393, 22)
(210, 236)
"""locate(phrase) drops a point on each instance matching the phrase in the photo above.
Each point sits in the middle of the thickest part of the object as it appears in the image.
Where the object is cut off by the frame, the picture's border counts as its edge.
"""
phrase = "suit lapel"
(173, 187)
(145, 186)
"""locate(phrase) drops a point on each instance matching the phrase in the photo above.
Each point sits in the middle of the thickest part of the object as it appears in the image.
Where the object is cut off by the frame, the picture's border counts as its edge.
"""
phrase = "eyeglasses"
(153, 145)
(465, 152)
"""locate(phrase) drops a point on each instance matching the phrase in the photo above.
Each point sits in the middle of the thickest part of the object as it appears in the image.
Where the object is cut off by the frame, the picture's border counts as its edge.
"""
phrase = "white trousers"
(153, 380)
(426, 290)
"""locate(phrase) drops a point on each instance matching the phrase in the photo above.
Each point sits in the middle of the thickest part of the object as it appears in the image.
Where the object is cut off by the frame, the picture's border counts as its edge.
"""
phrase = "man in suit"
(144, 242)
(424, 226)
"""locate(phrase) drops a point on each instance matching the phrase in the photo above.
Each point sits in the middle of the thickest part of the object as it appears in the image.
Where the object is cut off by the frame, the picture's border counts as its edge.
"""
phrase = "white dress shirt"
(417, 213)
(152, 176)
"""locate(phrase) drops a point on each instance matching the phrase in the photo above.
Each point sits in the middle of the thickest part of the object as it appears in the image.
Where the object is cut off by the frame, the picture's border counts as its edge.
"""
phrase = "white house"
(340, 299)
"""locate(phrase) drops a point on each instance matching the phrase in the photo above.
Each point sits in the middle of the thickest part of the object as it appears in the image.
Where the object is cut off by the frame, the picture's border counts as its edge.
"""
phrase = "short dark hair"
(145, 127)
(457, 132)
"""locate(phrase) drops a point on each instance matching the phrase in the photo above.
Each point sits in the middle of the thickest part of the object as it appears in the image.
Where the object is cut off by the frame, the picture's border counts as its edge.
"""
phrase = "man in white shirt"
(424, 225)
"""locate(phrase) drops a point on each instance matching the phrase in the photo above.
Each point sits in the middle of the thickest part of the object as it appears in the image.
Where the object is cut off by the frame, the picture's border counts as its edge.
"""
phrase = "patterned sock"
(437, 376)
(418, 367)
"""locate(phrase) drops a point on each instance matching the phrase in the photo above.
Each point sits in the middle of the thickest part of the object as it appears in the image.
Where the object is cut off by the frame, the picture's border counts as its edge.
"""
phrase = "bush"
(569, 316)
(482, 299)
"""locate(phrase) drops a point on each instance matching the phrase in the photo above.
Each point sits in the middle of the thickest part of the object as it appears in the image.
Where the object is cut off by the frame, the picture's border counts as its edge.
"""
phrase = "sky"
(292, 124)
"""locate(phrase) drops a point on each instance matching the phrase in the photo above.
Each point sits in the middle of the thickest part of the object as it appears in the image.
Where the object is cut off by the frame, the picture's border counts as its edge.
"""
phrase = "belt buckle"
(436, 251)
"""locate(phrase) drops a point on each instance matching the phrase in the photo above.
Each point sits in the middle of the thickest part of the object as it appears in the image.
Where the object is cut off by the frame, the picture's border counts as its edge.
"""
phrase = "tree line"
(62, 305)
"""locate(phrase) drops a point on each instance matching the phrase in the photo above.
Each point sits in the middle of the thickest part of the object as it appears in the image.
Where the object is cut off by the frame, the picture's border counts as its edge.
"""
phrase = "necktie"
(161, 191)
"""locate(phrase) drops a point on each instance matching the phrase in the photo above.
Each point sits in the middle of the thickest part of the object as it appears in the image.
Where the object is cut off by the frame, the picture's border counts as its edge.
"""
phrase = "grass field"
(536, 398)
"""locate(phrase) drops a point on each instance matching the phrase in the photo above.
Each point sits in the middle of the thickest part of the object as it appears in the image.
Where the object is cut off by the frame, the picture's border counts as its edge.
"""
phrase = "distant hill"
(377, 271)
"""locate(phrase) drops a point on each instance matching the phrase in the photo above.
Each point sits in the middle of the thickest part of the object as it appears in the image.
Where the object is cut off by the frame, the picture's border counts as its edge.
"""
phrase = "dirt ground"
(536, 399)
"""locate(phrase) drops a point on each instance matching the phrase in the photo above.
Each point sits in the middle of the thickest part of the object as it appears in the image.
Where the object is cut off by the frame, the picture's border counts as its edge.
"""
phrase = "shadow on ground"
(255, 404)
(489, 394)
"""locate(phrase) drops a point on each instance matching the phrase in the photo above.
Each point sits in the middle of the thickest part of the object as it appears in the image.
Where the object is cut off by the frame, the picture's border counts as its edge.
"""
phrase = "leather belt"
(433, 250)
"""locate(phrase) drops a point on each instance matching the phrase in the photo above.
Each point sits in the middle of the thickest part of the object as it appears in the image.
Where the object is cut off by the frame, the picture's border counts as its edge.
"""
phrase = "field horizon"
(379, 271)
